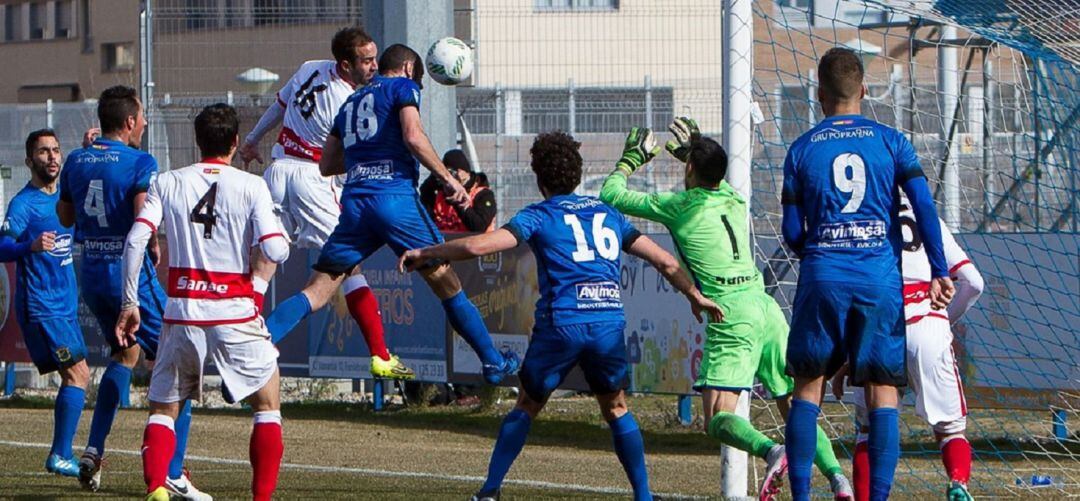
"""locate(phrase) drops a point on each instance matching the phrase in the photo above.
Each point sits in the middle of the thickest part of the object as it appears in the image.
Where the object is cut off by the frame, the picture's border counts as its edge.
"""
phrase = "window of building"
(596, 109)
(64, 19)
(12, 23)
(794, 13)
(37, 20)
(556, 5)
(118, 56)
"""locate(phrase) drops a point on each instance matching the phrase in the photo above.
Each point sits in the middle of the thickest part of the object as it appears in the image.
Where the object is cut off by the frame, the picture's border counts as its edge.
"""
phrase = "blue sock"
(884, 449)
(115, 381)
(466, 320)
(800, 443)
(181, 426)
(512, 435)
(631, 451)
(69, 406)
(287, 314)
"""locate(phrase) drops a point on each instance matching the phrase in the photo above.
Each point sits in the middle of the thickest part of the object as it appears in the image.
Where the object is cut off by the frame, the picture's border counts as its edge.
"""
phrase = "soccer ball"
(449, 61)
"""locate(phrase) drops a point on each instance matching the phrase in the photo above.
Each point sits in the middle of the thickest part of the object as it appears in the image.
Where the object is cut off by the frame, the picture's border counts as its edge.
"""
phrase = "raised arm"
(639, 149)
(668, 266)
(412, 132)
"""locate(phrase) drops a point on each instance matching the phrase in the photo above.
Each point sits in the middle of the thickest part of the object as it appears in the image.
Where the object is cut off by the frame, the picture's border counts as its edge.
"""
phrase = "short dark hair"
(395, 56)
(709, 160)
(556, 162)
(115, 105)
(216, 128)
(345, 45)
(32, 139)
(840, 74)
(456, 160)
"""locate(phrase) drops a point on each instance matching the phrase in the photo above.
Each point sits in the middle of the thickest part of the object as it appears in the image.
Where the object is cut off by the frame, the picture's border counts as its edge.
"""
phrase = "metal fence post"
(573, 105)
(500, 187)
(648, 104)
(49, 113)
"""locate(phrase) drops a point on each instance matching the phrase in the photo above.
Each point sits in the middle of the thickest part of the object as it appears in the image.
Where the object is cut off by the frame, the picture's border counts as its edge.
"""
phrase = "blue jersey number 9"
(360, 121)
(853, 183)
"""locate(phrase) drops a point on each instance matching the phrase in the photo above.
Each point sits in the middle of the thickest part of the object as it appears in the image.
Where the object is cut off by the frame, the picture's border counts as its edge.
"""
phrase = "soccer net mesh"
(987, 92)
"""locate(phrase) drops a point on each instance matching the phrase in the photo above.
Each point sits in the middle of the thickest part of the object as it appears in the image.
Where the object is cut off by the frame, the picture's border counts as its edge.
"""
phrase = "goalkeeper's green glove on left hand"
(685, 130)
(639, 149)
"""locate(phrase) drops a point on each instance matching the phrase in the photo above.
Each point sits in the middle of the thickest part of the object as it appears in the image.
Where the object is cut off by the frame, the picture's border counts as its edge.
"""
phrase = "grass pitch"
(347, 451)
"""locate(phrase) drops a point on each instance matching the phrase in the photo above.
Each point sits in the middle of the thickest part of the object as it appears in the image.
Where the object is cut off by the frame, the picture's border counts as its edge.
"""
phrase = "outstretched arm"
(639, 149)
(460, 249)
(668, 266)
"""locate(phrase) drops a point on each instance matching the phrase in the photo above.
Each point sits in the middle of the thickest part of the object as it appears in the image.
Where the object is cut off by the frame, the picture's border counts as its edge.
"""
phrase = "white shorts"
(306, 202)
(932, 375)
(242, 353)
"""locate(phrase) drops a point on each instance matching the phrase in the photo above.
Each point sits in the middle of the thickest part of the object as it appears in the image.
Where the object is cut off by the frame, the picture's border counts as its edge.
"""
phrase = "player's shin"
(884, 450)
(159, 441)
(512, 435)
(824, 456)
(800, 435)
(266, 449)
(466, 320)
(736, 431)
(115, 381)
(364, 308)
(182, 427)
(630, 448)
(956, 456)
(287, 315)
(860, 468)
(69, 406)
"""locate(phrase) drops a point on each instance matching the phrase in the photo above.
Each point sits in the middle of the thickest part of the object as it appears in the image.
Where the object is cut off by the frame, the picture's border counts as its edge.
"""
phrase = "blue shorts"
(368, 222)
(102, 293)
(554, 351)
(833, 323)
(53, 343)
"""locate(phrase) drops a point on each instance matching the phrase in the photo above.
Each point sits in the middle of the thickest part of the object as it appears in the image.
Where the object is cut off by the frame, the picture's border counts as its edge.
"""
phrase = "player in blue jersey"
(376, 141)
(45, 292)
(841, 208)
(579, 318)
(102, 188)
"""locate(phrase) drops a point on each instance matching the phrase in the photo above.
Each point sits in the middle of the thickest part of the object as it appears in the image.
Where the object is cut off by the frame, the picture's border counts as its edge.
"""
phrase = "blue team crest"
(62, 246)
(490, 263)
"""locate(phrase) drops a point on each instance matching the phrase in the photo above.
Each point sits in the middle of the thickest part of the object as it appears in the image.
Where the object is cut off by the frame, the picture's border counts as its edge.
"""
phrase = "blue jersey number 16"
(605, 239)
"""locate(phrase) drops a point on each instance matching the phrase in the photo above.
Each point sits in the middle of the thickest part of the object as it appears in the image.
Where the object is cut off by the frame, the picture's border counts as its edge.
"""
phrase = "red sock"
(265, 451)
(260, 286)
(365, 311)
(956, 455)
(861, 471)
(159, 442)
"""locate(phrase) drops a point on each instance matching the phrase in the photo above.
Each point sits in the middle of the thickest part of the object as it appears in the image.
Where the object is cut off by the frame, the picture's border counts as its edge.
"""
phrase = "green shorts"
(751, 341)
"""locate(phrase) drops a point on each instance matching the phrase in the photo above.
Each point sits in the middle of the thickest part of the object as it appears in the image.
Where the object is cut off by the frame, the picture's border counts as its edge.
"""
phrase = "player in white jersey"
(213, 214)
(308, 202)
(931, 365)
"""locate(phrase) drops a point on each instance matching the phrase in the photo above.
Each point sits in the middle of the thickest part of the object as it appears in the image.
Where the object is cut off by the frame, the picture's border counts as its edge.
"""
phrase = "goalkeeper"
(709, 223)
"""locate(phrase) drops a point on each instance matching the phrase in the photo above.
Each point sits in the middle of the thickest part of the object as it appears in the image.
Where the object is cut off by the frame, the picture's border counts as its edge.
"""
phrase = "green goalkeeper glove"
(639, 149)
(685, 130)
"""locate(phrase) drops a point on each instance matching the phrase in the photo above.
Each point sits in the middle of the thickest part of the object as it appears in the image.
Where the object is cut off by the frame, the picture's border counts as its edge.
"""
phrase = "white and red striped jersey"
(311, 98)
(212, 214)
(916, 269)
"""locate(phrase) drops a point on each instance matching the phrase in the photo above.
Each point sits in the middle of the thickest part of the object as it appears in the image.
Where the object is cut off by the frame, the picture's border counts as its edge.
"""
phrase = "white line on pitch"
(388, 473)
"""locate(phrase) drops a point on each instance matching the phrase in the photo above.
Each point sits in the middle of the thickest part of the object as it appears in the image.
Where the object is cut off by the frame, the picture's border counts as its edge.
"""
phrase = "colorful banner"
(412, 316)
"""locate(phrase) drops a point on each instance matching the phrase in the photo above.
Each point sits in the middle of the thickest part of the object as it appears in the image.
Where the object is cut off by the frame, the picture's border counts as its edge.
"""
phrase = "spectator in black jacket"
(475, 215)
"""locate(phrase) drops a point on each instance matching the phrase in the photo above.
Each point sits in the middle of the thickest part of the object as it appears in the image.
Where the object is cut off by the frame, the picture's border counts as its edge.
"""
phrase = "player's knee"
(443, 281)
(77, 375)
(128, 357)
(612, 405)
(948, 430)
(528, 405)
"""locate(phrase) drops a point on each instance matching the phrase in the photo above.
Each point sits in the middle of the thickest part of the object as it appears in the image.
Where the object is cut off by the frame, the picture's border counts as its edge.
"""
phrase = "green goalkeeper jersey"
(709, 227)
